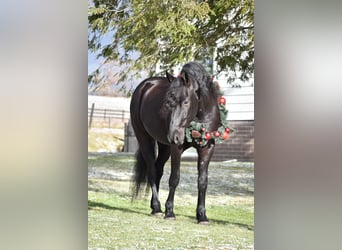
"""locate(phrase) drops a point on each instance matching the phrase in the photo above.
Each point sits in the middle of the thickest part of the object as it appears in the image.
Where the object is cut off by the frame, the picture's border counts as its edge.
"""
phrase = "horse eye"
(185, 102)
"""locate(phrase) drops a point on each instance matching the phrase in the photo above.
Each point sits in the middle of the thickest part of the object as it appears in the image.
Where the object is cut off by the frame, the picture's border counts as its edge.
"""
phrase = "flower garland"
(198, 132)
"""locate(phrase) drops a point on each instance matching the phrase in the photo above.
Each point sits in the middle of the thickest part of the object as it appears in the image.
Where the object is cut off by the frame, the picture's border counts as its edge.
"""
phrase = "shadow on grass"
(222, 222)
(93, 204)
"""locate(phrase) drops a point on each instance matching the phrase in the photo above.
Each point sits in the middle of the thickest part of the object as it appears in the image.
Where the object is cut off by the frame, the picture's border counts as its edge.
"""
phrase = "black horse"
(161, 109)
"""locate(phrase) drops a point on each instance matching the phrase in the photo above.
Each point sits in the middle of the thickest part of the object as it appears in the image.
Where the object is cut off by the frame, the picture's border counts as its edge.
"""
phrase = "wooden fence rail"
(105, 114)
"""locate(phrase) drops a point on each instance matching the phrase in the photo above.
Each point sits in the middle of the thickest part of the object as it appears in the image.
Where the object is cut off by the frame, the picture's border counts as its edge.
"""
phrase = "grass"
(114, 222)
(105, 140)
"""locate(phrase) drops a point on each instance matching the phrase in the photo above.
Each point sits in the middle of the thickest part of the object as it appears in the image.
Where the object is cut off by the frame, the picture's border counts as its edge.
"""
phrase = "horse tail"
(140, 175)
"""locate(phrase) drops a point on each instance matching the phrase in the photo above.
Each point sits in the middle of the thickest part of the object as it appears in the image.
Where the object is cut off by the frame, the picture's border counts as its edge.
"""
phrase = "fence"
(108, 116)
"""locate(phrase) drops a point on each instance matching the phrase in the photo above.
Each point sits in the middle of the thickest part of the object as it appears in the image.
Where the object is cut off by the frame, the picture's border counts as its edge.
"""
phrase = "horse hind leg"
(154, 169)
(163, 156)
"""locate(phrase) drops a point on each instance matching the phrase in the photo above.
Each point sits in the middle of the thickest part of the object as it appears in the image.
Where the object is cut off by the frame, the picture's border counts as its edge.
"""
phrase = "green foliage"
(173, 32)
(202, 128)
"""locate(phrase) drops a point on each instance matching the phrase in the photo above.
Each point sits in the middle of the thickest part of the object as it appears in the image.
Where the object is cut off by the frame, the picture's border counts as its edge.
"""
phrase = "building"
(240, 106)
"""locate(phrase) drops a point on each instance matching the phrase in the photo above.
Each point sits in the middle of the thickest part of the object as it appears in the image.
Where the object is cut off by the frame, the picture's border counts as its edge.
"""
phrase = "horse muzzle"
(177, 137)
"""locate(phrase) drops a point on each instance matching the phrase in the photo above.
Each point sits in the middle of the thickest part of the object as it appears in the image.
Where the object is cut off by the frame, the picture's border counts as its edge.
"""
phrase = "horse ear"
(170, 77)
(186, 79)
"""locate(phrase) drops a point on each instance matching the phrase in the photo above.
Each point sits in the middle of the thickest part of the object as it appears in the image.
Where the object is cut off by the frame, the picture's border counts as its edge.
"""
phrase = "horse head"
(182, 105)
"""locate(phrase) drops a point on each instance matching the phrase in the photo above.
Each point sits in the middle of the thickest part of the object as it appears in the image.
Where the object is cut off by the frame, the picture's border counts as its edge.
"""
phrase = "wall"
(240, 103)
(240, 145)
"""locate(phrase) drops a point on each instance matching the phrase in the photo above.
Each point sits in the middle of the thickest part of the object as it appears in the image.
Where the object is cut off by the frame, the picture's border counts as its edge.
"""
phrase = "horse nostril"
(176, 139)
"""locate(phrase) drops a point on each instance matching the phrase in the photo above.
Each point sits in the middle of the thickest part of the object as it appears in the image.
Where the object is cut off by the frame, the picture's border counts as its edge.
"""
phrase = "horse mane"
(207, 89)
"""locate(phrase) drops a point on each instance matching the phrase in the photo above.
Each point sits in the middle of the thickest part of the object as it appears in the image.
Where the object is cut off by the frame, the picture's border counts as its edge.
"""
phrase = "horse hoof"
(157, 214)
(206, 223)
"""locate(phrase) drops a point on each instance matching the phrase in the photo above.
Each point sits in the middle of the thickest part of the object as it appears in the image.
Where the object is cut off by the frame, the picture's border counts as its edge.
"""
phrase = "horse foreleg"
(204, 156)
(173, 181)
(163, 156)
